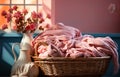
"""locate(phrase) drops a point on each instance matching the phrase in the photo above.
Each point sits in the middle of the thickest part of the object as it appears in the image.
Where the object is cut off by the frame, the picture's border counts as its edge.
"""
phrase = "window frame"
(24, 4)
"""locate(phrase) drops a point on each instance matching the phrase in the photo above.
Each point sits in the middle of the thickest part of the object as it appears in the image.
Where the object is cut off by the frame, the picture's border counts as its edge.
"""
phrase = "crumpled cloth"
(67, 41)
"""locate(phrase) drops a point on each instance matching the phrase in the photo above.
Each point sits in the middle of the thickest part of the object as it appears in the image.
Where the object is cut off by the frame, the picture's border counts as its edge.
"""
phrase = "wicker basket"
(59, 66)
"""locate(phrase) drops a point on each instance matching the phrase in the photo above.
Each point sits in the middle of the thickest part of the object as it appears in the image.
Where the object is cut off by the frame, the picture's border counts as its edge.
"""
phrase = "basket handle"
(36, 48)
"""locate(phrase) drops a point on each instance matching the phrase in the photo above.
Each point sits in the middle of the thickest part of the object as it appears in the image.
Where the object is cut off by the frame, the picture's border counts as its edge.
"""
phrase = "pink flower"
(27, 28)
(40, 15)
(25, 11)
(17, 21)
(41, 20)
(10, 10)
(5, 26)
(34, 15)
(32, 26)
(4, 13)
(15, 7)
(15, 27)
(18, 14)
(8, 16)
(48, 16)
(47, 26)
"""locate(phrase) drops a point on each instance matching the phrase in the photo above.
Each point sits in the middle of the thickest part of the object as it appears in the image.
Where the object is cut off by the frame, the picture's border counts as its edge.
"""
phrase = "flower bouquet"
(25, 24)
(21, 22)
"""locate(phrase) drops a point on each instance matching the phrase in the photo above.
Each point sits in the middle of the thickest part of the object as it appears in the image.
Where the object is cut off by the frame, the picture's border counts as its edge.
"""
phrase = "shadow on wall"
(5, 66)
(6, 56)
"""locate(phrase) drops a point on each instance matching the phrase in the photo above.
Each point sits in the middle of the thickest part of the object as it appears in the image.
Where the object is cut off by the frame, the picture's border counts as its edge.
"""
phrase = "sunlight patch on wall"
(40, 1)
(17, 1)
(30, 1)
(4, 1)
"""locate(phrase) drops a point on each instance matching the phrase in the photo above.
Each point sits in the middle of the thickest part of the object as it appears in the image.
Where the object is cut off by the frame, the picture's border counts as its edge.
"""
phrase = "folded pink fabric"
(66, 41)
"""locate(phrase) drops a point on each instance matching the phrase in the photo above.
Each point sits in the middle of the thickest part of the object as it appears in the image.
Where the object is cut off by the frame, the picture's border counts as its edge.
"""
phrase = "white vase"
(25, 45)
(26, 41)
(23, 66)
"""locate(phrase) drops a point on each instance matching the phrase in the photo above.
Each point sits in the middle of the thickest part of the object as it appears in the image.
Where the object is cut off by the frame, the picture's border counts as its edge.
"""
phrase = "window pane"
(30, 1)
(17, 1)
(4, 1)
(30, 9)
(40, 8)
(39, 1)
(2, 19)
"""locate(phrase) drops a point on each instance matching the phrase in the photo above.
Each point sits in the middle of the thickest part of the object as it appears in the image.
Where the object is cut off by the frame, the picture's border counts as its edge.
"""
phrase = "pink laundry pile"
(66, 41)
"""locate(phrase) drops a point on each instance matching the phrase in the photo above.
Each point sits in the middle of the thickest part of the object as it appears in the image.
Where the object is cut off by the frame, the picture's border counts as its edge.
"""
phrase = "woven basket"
(85, 67)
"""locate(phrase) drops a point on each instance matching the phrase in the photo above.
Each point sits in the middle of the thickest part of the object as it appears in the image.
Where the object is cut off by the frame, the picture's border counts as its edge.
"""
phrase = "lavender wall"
(90, 16)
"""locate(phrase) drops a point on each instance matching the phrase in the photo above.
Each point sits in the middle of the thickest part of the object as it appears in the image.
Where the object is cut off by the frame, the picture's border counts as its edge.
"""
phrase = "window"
(30, 5)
